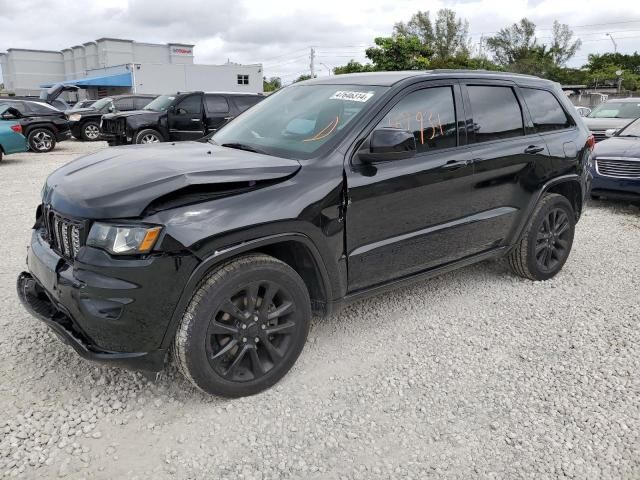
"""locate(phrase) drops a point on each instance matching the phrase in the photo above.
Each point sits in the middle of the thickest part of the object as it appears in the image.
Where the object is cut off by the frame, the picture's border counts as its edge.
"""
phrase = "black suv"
(328, 191)
(85, 122)
(42, 124)
(184, 116)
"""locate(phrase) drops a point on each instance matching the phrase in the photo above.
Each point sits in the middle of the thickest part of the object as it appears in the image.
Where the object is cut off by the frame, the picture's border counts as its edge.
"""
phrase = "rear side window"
(140, 103)
(216, 104)
(124, 104)
(21, 107)
(430, 114)
(546, 112)
(496, 113)
(243, 103)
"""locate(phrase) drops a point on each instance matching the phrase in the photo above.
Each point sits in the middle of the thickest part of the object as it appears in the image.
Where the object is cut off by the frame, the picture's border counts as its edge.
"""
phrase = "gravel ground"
(475, 374)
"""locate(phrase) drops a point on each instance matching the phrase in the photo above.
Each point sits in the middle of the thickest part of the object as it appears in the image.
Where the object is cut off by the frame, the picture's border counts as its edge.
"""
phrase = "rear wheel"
(244, 328)
(91, 131)
(41, 140)
(148, 135)
(546, 244)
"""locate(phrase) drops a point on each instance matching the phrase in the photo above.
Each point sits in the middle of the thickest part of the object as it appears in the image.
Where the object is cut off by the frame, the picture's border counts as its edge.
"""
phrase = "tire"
(0, 154)
(90, 131)
(148, 135)
(41, 140)
(231, 346)
(546, 243)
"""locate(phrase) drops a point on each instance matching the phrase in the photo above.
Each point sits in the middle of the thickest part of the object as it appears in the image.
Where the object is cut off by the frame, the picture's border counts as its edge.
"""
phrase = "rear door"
(507, 154)
(218, 111)
(186, 119)
(124, 104)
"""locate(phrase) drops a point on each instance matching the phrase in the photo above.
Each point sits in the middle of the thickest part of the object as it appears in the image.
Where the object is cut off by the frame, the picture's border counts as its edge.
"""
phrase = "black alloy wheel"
(244, 328)
(553, 240)
(251, 332)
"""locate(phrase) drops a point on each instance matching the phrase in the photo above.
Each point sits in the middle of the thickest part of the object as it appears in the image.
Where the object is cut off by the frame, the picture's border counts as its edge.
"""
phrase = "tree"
(514, 44)
(302, 78)
(452, 35)
(562, 48)
(418, 26)
(353, 67)
(399, 53)
(271, 85)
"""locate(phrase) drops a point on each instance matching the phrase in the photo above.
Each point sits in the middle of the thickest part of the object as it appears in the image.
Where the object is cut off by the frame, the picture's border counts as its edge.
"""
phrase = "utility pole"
(312, 65)
(615, 45)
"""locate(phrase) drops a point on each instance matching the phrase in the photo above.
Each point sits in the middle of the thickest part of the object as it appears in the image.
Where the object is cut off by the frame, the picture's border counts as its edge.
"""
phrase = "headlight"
(74, 117)
(123, 239)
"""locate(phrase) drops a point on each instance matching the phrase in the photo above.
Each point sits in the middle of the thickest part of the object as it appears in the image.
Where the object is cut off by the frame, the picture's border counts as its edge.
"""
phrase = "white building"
(109, 66)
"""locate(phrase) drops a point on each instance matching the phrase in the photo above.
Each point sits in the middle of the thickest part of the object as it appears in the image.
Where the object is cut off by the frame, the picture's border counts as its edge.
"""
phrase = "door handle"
(195, 119)
(533, 149)
(456, 164)
(226, 119)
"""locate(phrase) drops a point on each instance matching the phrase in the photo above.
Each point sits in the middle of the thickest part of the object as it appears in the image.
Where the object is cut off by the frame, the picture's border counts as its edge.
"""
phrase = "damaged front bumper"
(107, 309)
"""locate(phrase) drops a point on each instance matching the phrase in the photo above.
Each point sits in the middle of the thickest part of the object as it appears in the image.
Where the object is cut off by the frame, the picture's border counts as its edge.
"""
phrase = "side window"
(191, 105)
(430, 114)
(216, 104)
(124, 104)
(496, 113)
(546, 112)
(23, 108)
(34, 108)
(140, 103)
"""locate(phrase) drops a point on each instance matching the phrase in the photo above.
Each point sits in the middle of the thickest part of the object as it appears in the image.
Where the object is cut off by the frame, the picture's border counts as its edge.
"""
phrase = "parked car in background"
(583, 111)
(327, 192)
(615, 164)
(612, 114)
(81, 105)
(42, 124)
(85, 123)
(11, 138)
(183, 116)
(50, 96)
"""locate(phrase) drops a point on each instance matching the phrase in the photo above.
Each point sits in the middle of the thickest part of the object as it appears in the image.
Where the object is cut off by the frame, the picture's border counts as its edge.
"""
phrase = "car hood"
(132, 113)
(618, 147)
(81, 110)
(605, 123)
(121, 182)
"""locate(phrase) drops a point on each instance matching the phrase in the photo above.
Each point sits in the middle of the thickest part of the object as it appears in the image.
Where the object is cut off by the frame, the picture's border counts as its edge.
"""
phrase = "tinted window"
(21, 107)
(496, 113)
(191, 105)
(124, 104)
(430, 114)
(216, 104)
(545, 110)
(246, 102)
(41, 109)
(140, 103)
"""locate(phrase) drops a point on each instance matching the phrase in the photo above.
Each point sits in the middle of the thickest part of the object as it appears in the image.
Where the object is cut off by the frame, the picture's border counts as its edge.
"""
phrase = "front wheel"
(547, 241)
(148, 135)
(244, 328)
(91, 131)
(41, 140)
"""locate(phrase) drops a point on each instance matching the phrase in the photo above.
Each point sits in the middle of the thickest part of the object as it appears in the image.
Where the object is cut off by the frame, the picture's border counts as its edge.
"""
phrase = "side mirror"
(389, 144)
(610, 132)
(111, 109)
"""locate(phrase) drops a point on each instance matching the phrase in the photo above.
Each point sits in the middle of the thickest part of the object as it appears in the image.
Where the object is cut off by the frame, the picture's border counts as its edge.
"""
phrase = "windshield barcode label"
(351, 96)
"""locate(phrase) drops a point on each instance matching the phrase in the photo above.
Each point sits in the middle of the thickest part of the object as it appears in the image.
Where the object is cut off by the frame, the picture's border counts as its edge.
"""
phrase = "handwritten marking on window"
(404, 120)
(325, 132)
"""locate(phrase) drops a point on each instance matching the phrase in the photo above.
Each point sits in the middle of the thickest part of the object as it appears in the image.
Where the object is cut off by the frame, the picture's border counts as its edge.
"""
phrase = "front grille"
(114, 126)
(618, 167)
(599, 135)
(64, 235)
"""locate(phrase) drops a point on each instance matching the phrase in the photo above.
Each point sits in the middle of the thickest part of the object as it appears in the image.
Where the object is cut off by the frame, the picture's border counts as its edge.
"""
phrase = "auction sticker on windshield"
(351, 96)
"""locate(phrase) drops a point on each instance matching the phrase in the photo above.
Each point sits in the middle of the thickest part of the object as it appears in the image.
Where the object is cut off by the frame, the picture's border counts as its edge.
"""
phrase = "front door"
(186, 119)
(410, 215)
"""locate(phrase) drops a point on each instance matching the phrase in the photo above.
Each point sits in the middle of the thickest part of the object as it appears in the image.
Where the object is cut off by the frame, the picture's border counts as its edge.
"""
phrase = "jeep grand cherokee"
(328, 191)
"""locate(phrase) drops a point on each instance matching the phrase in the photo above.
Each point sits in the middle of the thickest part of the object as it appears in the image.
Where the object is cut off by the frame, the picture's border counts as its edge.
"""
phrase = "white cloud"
(279, 33)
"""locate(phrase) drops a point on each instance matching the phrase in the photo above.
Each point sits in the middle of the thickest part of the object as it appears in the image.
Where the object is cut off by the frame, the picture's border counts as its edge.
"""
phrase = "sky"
(279, 33)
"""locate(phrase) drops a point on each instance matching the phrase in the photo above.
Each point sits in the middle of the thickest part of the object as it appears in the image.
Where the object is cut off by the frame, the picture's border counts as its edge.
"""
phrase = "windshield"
(631, 130)
(103, 104)
(160, 104)
(296, 121)
(616, 110)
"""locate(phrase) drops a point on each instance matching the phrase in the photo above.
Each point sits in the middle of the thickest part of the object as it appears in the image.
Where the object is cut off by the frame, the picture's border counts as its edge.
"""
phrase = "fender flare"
(572, 177)
(219, 256)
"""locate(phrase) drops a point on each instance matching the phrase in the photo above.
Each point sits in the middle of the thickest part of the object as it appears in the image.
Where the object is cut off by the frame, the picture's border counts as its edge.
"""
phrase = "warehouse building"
(109, 66)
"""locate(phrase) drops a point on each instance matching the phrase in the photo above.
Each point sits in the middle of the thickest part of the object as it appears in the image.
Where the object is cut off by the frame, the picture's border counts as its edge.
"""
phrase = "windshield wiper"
(244, 146)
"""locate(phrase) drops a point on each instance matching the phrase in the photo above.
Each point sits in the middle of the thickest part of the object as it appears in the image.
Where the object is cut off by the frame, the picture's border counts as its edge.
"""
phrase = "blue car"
(615, 164)
(11, 138)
